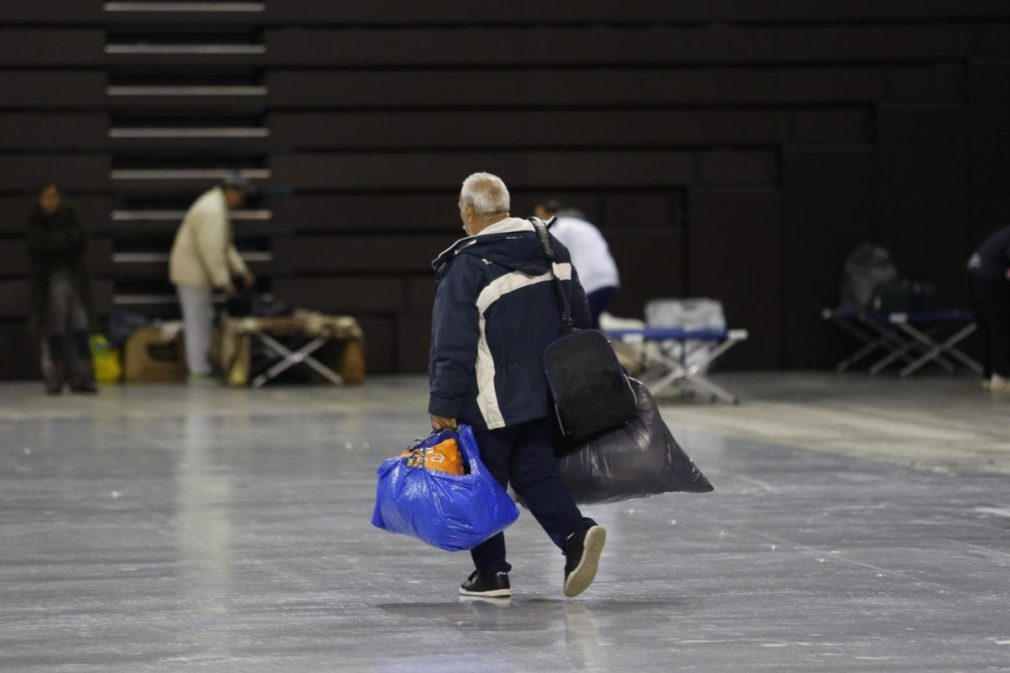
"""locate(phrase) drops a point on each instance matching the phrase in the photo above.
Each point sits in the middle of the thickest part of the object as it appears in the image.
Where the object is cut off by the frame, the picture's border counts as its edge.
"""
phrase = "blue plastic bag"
(451, 512)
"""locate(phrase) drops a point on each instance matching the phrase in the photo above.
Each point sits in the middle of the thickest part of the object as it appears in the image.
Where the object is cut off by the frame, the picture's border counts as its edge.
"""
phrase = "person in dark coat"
(989, 283)
(61, 292)
(495, 312)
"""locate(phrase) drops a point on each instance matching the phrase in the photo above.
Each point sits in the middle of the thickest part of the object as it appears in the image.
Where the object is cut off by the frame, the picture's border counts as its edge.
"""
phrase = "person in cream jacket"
(204, 259)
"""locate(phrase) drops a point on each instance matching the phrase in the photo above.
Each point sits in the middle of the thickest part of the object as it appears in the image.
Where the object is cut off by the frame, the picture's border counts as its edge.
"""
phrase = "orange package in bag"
(443, 456)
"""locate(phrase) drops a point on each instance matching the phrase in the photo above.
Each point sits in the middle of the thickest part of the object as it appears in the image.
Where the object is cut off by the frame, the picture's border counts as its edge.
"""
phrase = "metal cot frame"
(662, 369)
(912, 339)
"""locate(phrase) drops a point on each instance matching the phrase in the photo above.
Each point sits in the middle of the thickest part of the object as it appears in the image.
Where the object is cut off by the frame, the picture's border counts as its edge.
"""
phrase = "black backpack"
(866, 268)
(901, 295)
(590, 389)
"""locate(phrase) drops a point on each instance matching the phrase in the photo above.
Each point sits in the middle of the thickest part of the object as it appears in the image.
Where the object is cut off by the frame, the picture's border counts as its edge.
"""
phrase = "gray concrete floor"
(160, 528)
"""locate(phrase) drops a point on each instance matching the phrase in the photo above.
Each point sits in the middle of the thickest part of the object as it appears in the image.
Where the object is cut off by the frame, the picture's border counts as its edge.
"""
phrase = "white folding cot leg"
(936, 350)
(900, 349)
(291, 358)
(696, 378)
(870, 343)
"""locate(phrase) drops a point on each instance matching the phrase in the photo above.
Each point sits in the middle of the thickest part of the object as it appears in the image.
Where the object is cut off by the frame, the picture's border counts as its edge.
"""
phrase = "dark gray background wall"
(729, 149)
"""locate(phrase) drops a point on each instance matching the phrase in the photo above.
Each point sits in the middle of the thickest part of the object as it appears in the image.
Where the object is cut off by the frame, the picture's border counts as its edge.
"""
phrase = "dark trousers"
(66, 354)
(990, 298)
(598, 301)
(524, 455)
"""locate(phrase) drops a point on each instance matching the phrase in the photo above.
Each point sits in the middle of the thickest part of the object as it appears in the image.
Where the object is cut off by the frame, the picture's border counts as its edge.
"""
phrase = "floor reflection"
(203, 525)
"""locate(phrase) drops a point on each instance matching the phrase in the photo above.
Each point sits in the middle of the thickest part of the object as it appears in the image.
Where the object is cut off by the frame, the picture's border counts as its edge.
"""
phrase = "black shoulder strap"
(548, 246)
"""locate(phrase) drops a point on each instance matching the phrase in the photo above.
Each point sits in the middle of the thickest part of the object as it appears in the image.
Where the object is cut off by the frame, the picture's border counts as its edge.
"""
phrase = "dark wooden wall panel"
(21, 355)
(52, 11)
(37, 47)
(738, 168)
(830, 126)
(639, 45)
(93, 212)
(15, 298)
(739, 231)
(529, 169)
(24, 173)
(593, 87)
(828, 208)
(639, 211)
(360, 254)
(575, 128)
(651, 263)
(922, 186)
(350, 295)
(366, 213)
(988, 146)
(52, 88)
(413, 340)
(593, 11)
(941, 83)
(51, 131)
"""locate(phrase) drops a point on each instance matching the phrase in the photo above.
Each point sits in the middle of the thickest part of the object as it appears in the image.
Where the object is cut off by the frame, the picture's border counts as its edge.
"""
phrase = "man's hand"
(248, 279)
(441, 423)
(230, 291)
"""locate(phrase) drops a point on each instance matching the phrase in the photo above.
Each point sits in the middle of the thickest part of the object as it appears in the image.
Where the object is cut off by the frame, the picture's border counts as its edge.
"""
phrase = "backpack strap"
(548, 246)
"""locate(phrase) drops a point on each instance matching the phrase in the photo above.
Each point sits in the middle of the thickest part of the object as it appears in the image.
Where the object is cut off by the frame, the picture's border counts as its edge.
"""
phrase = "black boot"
(79, 362)
(52, 363)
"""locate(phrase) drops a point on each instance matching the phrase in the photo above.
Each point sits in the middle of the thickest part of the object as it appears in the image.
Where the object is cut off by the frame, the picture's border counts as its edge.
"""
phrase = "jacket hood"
(512, 243)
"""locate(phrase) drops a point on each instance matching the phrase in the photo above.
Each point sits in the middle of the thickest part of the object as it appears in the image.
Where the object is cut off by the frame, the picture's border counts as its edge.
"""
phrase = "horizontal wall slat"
(93, 213)
(52, 88)
(577, 128)
(592, 11)
(599, 87)
(536, 169)
(389, 253)
(618, 45)
(52, 12)
(36, 47)
(69, 171)
(371, 294)
(31, 130)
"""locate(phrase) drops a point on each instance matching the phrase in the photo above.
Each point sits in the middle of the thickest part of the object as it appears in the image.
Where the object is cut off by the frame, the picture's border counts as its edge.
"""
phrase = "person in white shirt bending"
(590, 254)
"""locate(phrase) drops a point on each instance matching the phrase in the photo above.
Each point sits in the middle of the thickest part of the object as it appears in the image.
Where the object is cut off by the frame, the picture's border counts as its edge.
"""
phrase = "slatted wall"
(734, 149)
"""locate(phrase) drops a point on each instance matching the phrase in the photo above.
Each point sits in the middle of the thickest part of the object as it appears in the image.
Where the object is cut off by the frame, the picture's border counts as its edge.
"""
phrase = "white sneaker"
(999, 384)
(986, 384)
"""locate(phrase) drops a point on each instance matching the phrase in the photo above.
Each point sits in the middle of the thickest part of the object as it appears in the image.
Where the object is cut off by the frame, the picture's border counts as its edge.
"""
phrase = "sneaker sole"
(500, 602)
(584, 574)
(497, 593)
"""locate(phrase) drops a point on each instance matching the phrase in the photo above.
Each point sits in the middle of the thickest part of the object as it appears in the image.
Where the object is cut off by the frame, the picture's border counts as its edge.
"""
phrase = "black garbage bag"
(635, 461)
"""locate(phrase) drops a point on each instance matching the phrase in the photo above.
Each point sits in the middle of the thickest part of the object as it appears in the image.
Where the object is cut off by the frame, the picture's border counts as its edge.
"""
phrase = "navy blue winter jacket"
(496, 310)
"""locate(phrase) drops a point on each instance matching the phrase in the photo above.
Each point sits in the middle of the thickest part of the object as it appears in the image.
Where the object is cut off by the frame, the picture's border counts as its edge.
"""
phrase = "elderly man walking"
(495, 312)
(204, 258)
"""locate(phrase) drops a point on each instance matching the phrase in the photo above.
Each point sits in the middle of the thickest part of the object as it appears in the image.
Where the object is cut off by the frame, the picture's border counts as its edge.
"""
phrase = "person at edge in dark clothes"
(61, 306)
(989, 282)
(495, 312)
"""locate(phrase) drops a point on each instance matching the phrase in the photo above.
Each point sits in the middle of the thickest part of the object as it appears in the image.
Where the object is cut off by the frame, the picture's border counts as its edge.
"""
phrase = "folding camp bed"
(913, 340)
(665, 367)
(306, 334)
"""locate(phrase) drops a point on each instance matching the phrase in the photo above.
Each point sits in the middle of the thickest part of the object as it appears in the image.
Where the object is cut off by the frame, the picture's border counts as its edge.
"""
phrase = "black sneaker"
(489, 586)
(582, 553)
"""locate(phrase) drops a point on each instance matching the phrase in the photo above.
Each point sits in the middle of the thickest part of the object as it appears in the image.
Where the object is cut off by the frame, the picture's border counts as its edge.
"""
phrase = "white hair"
(487, 193)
